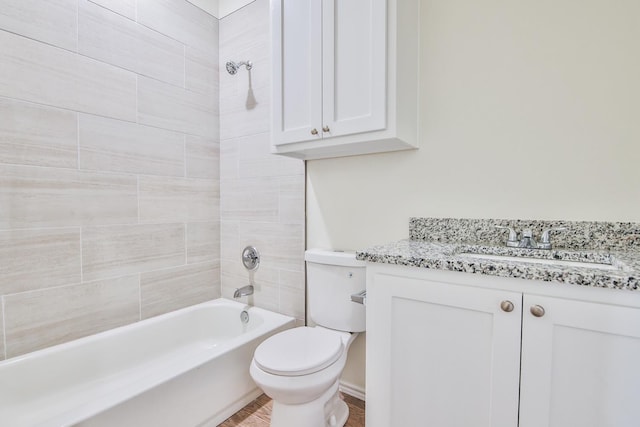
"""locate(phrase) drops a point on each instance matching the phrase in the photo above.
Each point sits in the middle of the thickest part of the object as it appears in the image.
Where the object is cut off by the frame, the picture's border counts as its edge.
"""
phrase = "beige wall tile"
(114, 145)
(35, 259)
(2, 353)
(178, 199)
(250, 199)
(230, 248)
(281, 245)
(180, 20)
(175, 288)
(265, 280)
(170, 107)
(292, 279)
(237, 118)
(202, 157)
(114, 39)
(246, 35)
(292, 293)
(280, 279)
(91, 144)
(292, 302)
(123, 7)
(201, 70)
(32, 134)
(262, 195)
(120, 250)
(256, 160)
(39, 319)
(47, 197)
(228, 160)
(245, 97)
(203, 242)
(37, 72)
(291, 199)
(51, 21)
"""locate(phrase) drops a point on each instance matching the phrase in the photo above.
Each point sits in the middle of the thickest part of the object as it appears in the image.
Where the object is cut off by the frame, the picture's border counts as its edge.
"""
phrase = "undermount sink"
(542, 261)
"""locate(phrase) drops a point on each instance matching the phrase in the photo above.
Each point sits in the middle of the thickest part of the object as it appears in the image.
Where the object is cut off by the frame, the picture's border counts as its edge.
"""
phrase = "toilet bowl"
(300, 368)
(304, 391)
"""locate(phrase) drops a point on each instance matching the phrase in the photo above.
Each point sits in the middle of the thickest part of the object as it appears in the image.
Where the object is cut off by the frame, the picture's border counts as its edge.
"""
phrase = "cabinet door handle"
(537, 310)
(325, 129)
(314, 131)
(507, 306)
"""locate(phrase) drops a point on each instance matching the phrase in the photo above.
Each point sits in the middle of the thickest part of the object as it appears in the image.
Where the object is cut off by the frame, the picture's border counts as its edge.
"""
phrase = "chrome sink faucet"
(527, 241)
(243, 291)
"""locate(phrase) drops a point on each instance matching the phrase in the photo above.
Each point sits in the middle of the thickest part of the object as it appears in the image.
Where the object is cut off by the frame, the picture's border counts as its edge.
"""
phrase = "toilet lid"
(299, 351)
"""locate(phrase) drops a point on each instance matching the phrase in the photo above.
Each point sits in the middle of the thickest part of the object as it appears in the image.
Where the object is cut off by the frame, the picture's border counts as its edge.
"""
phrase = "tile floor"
(258, 412)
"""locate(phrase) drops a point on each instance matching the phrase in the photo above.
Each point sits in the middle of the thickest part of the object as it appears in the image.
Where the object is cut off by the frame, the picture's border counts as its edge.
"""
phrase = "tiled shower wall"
(261, 195)
(109, 165)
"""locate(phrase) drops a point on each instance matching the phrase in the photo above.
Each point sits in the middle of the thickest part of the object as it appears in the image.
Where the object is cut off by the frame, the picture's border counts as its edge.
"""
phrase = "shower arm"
(232, 67)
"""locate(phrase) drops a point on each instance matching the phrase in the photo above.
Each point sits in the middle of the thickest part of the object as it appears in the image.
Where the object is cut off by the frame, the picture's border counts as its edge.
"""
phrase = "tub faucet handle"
(512, 241)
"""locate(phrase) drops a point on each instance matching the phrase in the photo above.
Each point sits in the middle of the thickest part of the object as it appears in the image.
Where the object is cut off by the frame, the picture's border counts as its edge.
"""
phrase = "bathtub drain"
(244, 316)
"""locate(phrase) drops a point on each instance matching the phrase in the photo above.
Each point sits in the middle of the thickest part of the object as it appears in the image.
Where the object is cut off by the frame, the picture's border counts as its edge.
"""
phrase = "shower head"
(232, 67)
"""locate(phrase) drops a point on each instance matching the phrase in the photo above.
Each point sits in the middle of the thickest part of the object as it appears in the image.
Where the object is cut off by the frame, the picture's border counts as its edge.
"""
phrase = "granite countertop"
(458, 255)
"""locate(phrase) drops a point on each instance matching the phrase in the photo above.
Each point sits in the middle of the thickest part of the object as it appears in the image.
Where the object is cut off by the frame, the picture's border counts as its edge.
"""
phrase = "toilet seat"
(299, 351)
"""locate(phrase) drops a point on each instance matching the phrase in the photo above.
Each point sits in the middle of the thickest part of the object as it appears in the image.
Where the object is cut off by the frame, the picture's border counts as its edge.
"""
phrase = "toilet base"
(326, 411)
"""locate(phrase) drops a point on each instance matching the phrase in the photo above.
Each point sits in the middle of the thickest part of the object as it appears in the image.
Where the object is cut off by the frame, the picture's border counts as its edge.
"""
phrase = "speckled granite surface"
(450, 244)
(602, 236)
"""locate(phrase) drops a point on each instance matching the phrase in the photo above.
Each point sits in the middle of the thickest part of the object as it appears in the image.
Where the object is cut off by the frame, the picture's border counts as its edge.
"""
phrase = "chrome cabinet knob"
(314, 131)
(325, 129)
(537, 310)
(507, 306)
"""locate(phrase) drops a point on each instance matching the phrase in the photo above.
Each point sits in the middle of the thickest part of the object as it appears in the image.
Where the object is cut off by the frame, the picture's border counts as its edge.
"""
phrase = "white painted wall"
(529, 109)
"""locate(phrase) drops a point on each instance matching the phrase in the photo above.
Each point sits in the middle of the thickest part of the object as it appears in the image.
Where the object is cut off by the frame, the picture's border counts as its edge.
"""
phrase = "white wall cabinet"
(345, 76)
(441, 351)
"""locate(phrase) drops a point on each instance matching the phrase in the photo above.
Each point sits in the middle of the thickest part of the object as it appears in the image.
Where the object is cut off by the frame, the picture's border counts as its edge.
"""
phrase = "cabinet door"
(297, 70)
(354, 66)
(580, 364)
(440, 354)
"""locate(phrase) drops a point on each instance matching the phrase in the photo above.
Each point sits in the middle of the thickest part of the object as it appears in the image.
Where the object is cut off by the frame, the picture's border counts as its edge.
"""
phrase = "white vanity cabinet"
(580, 363)
(344, 76)
(449, 349)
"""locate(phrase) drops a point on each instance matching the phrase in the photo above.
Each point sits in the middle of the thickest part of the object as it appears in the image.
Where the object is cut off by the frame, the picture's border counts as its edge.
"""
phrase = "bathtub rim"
(147, 381)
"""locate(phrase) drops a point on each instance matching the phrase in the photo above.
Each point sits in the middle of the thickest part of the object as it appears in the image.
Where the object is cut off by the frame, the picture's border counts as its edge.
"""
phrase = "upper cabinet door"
(354, 66)
(579, 364)
(297, 70)
(336, 86)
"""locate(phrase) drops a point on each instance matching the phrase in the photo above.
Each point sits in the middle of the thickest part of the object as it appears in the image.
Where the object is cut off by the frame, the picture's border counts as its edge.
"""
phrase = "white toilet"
(300, 368)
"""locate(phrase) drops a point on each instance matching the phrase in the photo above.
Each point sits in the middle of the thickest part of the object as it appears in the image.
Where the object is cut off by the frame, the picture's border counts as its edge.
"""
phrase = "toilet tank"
(332, 277)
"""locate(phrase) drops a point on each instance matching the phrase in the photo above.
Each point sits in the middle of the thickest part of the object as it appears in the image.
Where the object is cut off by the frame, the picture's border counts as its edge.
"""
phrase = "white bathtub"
(186, 368)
